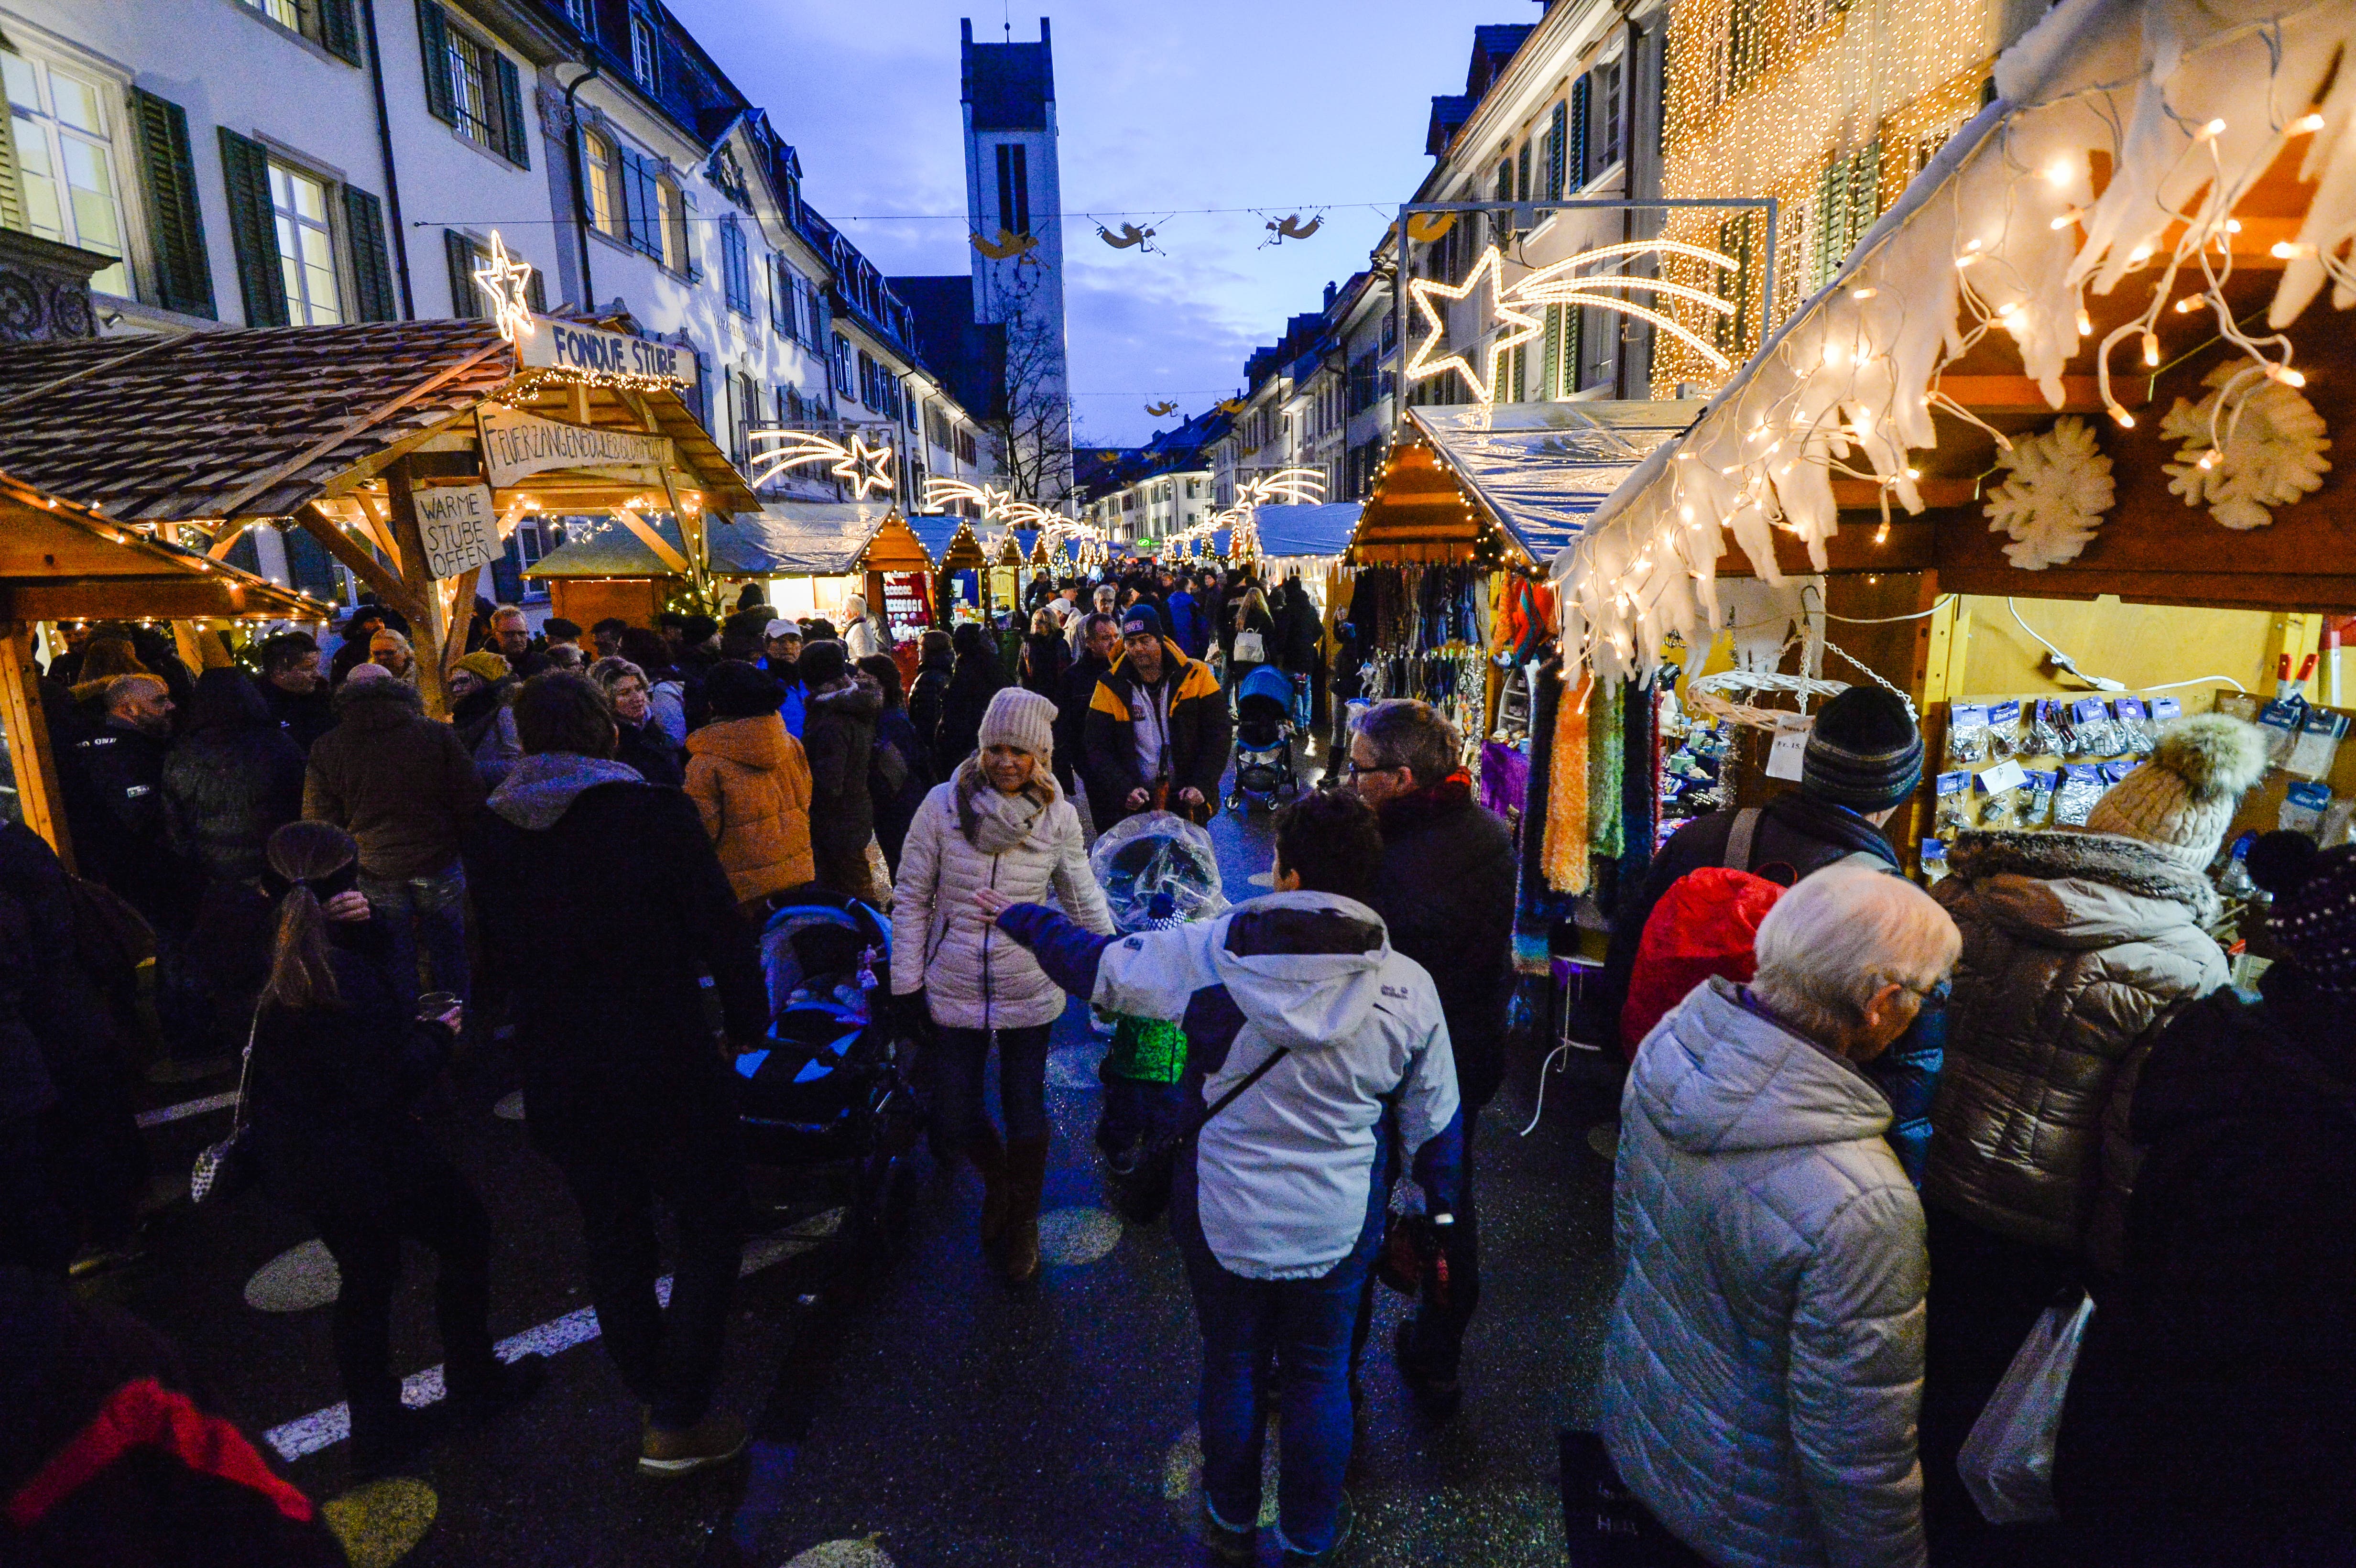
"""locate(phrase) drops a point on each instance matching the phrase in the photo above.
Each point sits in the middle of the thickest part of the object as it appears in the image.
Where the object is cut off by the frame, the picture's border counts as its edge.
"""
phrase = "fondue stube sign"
(554, 344)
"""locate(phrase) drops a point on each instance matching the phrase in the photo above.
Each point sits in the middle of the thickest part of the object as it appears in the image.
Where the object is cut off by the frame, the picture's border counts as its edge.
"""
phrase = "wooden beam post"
(461, 617)
(39, 798)
(427, 633)
(363, 563)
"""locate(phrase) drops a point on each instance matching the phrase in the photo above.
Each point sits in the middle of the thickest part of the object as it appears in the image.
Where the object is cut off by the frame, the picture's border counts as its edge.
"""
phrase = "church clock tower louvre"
(1015, 209)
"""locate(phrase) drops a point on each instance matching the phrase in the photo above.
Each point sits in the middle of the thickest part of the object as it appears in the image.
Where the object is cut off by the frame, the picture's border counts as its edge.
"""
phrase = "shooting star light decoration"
(508, 280)
(863, 467)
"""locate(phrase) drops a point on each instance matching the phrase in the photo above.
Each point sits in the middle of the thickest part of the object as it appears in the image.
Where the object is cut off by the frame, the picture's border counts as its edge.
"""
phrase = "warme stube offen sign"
(556, 344)
(458, 527)
(516, 446)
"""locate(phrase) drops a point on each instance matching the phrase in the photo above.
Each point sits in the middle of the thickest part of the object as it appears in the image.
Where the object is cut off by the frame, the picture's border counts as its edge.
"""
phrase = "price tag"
(2007, 775)
(2166, 708)
(1791, 747)
(2086, 709)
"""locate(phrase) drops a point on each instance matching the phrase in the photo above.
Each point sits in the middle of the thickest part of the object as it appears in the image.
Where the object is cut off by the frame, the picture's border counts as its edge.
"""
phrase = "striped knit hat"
(1864, 752)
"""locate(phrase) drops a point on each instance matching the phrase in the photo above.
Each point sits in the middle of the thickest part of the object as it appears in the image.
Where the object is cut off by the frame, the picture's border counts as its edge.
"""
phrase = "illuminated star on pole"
(1514, 326)
(864, 467)
(508, 283)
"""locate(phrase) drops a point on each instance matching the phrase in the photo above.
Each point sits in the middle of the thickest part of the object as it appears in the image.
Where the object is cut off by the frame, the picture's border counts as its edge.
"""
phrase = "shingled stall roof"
(207, 426)
(949, 540)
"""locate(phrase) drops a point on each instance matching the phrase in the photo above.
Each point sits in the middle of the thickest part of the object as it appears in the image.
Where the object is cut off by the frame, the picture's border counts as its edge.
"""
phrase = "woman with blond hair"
(334, 1073)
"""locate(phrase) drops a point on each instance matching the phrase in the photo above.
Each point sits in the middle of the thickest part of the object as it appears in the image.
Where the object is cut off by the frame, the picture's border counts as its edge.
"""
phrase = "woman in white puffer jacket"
(1000, 822)
(1764, 1365)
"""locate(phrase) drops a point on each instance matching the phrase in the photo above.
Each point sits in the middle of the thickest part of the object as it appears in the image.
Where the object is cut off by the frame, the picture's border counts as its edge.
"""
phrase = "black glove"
(913, 1015)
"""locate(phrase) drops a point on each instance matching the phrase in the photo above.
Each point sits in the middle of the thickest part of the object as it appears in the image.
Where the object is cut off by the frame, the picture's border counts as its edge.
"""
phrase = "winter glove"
(913, 1015)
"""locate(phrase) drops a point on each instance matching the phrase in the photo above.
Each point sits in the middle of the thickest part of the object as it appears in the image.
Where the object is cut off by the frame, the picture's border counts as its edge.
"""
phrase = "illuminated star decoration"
(508, 283)
(1514, 326)
(863, 467)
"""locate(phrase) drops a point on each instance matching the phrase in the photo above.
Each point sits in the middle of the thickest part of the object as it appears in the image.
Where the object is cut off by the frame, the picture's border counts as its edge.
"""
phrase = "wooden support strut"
(39, 796)
(426, 629)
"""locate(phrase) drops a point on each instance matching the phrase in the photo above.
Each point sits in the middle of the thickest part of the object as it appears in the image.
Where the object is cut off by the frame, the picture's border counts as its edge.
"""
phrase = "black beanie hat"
(1864, 753)
(822, 661)
(1141, 619)
(738, 690)
(2314, 914)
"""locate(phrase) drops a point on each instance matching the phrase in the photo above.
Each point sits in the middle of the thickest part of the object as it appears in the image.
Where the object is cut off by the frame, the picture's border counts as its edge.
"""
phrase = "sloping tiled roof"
(249, 423)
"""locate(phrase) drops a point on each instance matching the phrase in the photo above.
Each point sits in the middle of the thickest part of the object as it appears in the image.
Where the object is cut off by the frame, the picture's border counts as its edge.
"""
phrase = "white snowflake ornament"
(2267, 449)
(2060, 488)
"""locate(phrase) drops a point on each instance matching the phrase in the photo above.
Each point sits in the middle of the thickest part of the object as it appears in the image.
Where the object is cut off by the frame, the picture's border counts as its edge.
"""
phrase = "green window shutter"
(372, 264)
(12, 187)
(1581, 93)
(339, 30)
(465, 299)
(1558, 143)
(1550, 372)
(246, 169)
(515, 145)
(184, 273)
(434, 44)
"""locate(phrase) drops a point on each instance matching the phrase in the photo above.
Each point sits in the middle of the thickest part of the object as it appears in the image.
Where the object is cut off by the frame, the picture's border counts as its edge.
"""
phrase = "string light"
(861, 466)
(508, 279)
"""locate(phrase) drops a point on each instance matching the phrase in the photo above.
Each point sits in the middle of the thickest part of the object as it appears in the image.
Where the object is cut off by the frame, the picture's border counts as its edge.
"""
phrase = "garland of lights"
(2003, 233)
(1290, 486)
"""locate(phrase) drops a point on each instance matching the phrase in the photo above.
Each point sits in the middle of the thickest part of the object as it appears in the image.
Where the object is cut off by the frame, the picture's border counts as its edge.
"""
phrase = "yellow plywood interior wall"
(2142, 645)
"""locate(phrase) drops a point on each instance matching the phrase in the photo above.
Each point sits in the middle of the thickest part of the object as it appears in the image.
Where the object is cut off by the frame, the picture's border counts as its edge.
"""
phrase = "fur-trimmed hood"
(2106, 859)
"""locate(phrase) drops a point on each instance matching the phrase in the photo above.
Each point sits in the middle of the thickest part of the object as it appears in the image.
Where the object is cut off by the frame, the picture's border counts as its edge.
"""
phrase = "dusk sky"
(1283, 105)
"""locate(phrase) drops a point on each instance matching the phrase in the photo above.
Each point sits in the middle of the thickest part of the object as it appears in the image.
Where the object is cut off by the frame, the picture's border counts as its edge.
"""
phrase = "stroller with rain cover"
(824, 1103)
(1264, 733)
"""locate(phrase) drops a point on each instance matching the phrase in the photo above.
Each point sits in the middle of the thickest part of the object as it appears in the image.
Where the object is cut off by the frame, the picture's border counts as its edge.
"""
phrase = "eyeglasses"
(1358, 771)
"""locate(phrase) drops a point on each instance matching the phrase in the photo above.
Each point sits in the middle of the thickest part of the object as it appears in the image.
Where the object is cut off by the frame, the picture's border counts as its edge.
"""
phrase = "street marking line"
(321, 1429)
(166, 1113)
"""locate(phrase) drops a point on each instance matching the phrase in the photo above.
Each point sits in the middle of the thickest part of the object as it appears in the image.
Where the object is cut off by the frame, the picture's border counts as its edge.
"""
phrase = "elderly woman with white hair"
(1764, 1360)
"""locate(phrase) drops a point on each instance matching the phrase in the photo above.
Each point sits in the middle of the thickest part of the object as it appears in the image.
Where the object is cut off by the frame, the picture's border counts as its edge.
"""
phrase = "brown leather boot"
(1026, 1178)
(988, 1156)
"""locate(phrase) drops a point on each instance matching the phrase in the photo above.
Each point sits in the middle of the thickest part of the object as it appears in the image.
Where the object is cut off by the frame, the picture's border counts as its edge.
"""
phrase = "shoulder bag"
(226, 1169)
(1142, 1192)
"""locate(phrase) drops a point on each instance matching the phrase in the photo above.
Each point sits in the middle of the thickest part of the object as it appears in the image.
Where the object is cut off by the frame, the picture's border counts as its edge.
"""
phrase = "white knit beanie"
(1020, 719)
(2182, 800)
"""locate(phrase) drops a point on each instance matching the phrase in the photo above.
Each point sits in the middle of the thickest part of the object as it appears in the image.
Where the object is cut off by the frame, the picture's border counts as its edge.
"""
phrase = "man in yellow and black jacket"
(1158, 728)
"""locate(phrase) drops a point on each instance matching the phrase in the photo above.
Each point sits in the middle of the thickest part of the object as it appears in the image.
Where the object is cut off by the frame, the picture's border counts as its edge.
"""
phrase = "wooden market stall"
(409, 450)
(2069, 408)
(61, 560)
(956, 552)
(607, 570)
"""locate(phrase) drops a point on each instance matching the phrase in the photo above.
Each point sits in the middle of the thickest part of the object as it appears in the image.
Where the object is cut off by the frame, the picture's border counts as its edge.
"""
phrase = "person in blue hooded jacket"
(1304, 1028)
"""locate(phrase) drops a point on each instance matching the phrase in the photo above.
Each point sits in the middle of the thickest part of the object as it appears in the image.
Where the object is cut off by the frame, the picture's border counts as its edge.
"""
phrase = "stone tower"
(1014, 204)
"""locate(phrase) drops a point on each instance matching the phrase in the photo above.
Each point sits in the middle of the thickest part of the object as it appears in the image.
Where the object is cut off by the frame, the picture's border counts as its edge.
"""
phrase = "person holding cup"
(336, 1066)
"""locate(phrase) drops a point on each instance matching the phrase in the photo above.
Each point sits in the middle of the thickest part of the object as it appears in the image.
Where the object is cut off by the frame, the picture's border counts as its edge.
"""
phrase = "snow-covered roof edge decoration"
(2185, 99)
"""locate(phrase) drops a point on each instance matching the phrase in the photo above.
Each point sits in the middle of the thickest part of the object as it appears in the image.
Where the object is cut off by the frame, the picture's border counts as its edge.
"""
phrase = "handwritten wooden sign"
(460, 529)
(516, 446)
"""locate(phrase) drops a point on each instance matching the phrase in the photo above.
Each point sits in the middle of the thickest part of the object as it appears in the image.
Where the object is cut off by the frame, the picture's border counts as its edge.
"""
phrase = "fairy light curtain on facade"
(1542, 469)
(2002, 234)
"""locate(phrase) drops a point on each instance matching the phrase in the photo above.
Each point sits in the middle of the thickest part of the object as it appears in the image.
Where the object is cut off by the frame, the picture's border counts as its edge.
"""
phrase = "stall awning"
(941, 532)
(812, 537)
(750, 546)
(1542, 469)
(59, 561)
(1307, 531)
(2157, 191)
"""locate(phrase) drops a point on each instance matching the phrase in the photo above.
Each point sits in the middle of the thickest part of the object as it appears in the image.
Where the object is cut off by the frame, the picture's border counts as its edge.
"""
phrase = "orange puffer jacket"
(749, 778)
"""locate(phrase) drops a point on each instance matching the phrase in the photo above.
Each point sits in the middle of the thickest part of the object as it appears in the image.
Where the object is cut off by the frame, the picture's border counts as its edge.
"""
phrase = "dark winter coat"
(1072, 699)
(227, 789)
(26, 1087)
(1446, 894)
(645, 748)
(2215, 1397)
(610, 1020)
(58, 996)
(897, 781)
(2077, 947)
(1046, 658)
(839, 738)
(333, 1093)
(1797, 833)
(1302, 631)
(401, 783)
(976, 680)
(1195, 755)
(304, 716)
(114, 797)
(926, 697)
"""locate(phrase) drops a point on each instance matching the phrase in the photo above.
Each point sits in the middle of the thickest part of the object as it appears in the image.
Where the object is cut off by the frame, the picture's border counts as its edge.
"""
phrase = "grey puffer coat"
(973, 974)
(1764, 1366)
(2077, 948)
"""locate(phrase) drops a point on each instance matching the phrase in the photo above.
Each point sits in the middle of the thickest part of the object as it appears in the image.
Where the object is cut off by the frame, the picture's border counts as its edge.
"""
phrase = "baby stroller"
(823, 1101)
(1264, 733)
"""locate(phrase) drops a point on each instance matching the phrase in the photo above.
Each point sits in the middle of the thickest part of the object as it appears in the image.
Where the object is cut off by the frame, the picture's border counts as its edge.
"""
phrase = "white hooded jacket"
(1764, 1366)
(1284, 1172)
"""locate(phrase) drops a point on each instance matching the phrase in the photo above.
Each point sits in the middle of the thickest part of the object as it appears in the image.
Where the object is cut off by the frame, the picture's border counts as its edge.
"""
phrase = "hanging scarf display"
(1567, 868)
(1539, 907)
(1606, 764)
(1424, 633)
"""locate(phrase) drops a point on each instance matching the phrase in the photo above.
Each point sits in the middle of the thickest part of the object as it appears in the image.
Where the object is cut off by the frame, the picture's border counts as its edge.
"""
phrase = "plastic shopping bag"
(2007, 1461)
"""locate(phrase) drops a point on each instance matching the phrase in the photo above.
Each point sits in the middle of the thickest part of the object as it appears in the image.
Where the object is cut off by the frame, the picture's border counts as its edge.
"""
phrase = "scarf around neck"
(992, 821)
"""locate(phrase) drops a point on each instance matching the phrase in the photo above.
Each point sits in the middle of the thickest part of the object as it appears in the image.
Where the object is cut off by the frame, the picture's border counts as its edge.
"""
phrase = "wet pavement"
(931, 1415)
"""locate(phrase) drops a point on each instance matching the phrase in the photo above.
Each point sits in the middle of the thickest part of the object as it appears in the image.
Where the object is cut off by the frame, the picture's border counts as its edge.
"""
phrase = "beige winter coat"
(2077, 948)
(974, 976)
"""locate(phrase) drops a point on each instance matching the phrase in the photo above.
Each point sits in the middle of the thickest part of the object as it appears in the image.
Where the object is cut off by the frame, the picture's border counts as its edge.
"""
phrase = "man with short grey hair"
(511, 639)
(1446, 894)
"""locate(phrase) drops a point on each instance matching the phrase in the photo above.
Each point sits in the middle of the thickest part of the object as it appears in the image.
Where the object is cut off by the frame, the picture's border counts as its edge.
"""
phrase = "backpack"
(1705, 925)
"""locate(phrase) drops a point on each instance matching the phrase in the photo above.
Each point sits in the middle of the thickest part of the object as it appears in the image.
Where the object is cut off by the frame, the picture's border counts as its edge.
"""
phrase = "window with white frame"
(472, 83)
(285, 13)
(644, 64)
(307, 247)
(603, 182)
(65, 158)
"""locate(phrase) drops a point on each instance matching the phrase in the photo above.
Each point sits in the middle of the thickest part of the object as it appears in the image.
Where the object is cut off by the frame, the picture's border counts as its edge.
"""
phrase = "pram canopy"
(1264, 683)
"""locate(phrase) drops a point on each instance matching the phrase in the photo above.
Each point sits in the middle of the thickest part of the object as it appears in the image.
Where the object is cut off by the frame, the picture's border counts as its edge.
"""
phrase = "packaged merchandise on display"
(1934, 861)
(2036, 798)
(2005, 738)
(2303, 808)
(2045, 730)
(2092, 730)
(2280, 719)
(1955, 789)
(1967, 734)
(2134, 726)
(2320, 731)
(2082, 785)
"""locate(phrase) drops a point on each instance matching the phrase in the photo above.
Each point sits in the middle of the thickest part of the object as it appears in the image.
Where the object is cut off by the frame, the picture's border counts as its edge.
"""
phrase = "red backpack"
(1705, 924)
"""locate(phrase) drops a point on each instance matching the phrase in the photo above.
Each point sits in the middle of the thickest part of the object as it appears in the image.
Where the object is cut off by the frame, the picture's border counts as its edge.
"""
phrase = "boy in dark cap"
(1158, 728)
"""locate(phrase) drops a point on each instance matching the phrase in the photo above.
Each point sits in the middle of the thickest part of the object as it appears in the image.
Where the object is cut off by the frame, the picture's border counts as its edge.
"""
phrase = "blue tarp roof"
(787, 538)
(1308, 530)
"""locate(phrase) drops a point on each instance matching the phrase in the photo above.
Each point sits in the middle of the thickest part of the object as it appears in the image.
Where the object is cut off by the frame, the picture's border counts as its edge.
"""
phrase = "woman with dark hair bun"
(335, 1072)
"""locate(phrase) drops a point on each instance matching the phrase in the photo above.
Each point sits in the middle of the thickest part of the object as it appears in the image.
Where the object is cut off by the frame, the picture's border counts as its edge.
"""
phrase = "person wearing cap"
(752, 782)
(1000, 822)
(781, 653)
(481, 691)
(2079, 946)
(1158, 728)
(2212, 1413)
(1863, 760)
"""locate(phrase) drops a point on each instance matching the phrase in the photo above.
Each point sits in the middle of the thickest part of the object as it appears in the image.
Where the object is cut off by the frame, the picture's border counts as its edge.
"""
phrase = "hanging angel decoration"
(1130, 236)
(1007, 246)
(1290, 227)
(1161, 411)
